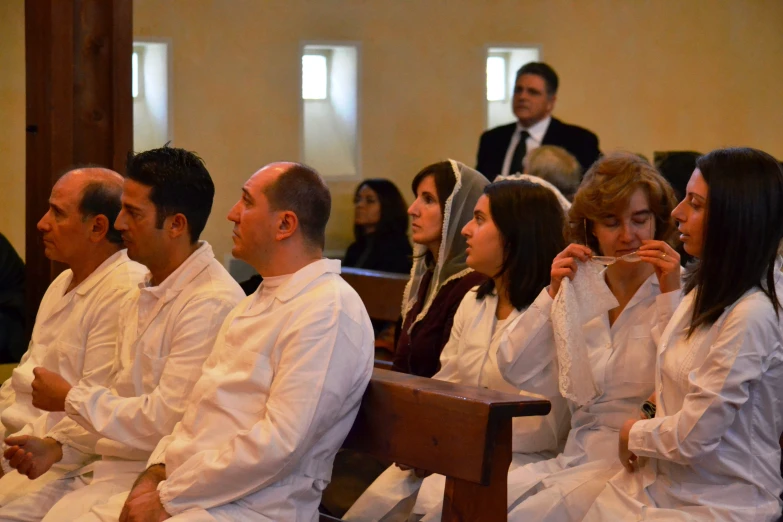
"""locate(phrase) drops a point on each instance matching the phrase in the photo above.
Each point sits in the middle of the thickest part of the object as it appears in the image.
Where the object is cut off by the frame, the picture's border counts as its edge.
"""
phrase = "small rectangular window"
(315, 77)
(135, 75)
(502, 66)
(496, 78)
(330, 108)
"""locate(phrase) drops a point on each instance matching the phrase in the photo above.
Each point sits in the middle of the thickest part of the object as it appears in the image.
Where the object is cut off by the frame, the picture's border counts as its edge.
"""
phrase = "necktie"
(519, 153)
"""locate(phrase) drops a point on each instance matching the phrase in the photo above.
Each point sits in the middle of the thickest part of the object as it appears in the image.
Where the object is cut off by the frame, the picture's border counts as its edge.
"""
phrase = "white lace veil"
(457, 211)
(544, 183)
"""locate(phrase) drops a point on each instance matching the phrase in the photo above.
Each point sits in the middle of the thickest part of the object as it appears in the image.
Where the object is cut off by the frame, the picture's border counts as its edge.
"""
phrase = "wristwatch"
(648, 409)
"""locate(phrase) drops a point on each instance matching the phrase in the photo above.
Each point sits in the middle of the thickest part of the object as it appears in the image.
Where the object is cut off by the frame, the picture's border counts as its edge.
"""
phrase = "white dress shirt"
(75, 335)
(277, 397)
(535, 136)
(158, 360)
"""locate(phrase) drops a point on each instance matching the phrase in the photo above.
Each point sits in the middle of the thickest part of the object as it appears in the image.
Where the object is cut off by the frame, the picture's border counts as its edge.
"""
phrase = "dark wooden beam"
(79, 105)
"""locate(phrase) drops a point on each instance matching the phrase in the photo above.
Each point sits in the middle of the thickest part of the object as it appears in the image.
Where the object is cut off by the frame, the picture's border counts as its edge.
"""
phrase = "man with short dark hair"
(76, 327)
(503, 149)
(168, 327)
(283, 385)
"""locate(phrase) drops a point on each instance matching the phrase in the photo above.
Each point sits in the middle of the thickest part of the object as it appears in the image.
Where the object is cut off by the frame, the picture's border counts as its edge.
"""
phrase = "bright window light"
(135, 75)
(496, 78)
(314, 77)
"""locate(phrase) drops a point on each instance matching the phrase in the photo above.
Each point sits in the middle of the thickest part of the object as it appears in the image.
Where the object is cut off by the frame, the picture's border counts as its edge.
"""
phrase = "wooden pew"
(461, 432)
(381, 292)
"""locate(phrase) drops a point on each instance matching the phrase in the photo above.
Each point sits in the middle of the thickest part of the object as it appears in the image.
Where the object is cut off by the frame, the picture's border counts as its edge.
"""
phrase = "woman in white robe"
(623, 206)
(498, 240)
(712, 453)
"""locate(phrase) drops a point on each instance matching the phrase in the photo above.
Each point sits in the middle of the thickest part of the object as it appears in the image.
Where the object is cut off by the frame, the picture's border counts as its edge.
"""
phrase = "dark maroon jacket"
(419, 352)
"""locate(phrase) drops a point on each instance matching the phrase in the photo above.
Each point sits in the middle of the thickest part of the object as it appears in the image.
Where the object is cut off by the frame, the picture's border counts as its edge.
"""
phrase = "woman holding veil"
(600, 325)
(711, 453)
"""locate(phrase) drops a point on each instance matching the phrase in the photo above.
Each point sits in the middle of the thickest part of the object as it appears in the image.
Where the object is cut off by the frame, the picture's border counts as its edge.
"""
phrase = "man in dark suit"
(502, 149)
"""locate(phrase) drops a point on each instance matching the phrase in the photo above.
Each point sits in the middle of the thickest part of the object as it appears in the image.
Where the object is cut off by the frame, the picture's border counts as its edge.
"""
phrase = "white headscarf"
(544, 183)
(457, 211)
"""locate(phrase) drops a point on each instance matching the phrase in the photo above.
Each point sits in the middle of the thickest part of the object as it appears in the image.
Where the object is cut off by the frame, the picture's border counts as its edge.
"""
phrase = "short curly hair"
(606, 190)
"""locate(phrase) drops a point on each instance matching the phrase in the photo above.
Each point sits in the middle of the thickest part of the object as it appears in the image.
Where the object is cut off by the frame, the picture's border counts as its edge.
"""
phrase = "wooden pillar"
(79, 105)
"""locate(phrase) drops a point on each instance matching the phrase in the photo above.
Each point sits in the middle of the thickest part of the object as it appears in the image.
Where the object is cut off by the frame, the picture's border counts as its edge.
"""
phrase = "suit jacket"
(493, 145)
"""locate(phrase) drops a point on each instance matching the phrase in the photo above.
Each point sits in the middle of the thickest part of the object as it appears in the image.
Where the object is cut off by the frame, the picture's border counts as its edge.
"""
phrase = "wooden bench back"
(461, 432)
(381, 292)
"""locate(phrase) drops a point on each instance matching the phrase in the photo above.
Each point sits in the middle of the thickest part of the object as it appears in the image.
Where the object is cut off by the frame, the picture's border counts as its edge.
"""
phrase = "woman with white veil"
(446, 193)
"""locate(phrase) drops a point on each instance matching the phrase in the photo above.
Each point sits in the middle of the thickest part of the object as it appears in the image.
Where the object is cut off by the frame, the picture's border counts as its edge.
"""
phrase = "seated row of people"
(152, 388)
(701, 366)
(498, 298)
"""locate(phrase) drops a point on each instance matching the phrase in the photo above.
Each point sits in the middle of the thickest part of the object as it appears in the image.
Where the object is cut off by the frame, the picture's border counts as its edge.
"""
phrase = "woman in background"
(380, 229)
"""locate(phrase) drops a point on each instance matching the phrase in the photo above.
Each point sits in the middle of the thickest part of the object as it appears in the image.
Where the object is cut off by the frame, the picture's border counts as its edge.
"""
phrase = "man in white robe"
(167, 329)
(75, 330)
(283, 385)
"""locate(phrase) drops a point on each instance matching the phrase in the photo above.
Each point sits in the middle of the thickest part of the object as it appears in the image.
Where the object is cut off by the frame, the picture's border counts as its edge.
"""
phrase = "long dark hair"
(743, 230)
(394, 211)
(531, 222)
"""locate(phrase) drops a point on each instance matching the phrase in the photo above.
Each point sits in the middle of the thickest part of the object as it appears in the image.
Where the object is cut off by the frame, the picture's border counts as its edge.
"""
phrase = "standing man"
(75, 331)
(167, 329)
(502, 149)
(283, 385)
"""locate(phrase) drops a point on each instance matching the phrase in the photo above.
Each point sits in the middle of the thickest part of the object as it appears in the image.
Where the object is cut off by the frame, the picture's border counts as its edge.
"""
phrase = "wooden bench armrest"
(425, 423)
(462, 432)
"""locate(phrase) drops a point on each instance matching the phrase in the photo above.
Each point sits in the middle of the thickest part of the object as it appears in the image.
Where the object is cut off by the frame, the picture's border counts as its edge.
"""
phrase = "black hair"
(445, 180)
(100, 198)
(179, 182)
(531, 223)
(742, 234)
(544, 71)
(301, 190)
(394, 211)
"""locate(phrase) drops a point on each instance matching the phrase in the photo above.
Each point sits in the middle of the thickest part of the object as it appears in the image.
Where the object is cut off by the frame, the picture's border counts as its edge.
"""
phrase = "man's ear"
(100, 227)
(287, 225)
(176, 225)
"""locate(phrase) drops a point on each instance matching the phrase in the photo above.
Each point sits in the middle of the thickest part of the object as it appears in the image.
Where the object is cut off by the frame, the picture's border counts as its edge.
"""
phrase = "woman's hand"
(564, 265)
(666, 262)
(627, 458)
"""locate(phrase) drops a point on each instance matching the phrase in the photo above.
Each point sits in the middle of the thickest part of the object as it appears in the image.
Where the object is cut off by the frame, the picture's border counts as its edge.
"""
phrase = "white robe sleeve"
(7, 392)
(717, 388)
(320, 349)
(140, 422)
(530, 347)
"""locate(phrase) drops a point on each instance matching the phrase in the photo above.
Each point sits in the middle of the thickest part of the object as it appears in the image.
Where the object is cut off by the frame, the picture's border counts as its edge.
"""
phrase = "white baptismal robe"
(711, 453)
(470, 358)
(277, 398)
(74, 335)
(165, 334)
(622, 360)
